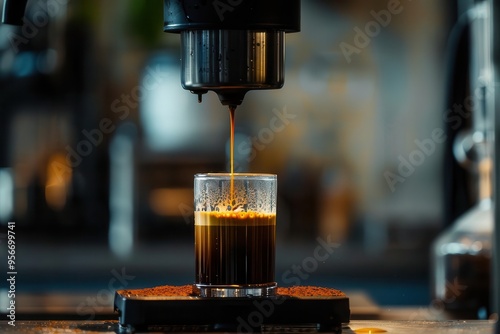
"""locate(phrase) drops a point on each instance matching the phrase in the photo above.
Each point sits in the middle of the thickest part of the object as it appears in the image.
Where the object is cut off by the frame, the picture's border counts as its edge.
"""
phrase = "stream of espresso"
(231, 149)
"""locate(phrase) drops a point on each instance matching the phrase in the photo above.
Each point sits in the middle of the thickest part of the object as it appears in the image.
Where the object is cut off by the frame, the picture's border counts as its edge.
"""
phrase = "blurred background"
(99, 144)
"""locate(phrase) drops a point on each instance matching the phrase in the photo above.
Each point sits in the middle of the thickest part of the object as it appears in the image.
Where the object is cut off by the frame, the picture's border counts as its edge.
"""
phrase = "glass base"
(253, 290)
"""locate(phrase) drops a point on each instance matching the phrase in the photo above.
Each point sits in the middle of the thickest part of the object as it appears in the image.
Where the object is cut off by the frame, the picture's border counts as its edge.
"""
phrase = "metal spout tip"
(232, 98)
(13, 12)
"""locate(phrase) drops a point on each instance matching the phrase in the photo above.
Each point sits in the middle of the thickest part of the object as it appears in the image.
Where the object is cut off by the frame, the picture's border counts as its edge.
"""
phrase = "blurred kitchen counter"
(356, 326)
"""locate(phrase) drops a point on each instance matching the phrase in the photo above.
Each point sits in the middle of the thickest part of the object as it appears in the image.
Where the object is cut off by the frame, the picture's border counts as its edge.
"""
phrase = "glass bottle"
(462, 258)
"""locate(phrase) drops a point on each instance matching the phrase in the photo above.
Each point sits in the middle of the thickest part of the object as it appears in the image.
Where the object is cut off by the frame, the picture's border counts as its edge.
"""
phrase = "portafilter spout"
(232, 46)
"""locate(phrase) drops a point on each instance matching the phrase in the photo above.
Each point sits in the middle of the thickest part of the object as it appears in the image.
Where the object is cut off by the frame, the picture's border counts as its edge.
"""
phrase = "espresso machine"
(231, 47)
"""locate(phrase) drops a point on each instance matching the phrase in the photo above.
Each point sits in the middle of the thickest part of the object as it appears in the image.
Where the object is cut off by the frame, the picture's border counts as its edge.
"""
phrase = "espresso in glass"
(235, 235)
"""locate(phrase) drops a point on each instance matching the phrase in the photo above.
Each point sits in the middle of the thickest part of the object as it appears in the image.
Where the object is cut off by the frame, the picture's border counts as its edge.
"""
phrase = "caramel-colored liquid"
(232, 109)
(234, 247)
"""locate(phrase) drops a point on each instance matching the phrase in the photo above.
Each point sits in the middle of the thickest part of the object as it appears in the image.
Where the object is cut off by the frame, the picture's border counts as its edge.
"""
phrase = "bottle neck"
(485, 180)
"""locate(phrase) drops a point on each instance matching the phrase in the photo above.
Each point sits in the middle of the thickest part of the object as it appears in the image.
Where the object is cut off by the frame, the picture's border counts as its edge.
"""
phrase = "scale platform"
(160, 309)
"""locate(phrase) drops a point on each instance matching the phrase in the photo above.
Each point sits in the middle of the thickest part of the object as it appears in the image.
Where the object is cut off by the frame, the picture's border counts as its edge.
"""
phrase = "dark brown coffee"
(234, 248)
(468, 285)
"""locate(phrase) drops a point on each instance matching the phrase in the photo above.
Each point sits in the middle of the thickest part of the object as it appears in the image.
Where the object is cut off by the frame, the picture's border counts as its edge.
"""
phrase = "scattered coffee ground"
(310, 291)
(186, 290)
(160, 291)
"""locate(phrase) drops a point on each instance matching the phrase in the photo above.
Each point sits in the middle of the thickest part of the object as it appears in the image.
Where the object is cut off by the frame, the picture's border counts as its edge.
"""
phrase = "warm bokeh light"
(58, 180)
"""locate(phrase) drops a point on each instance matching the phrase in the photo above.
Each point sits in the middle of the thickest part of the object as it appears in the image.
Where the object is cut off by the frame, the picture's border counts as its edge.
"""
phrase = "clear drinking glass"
(235, 234)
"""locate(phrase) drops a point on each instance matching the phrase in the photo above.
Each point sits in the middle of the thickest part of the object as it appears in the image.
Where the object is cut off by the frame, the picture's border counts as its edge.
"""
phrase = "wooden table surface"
(354, 327)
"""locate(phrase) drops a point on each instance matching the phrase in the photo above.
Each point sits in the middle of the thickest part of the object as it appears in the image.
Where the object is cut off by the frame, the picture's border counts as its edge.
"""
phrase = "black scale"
(240, 314)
